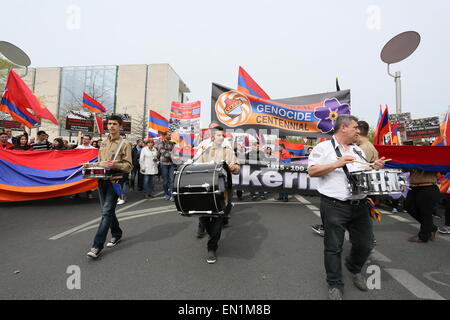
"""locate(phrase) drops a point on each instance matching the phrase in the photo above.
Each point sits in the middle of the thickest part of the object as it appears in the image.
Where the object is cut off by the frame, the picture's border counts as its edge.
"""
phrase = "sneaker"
(172, 198)
(359, 281)
(120, 201)
(166, 197)
(211, 257)
(113, 242)
(254, 198)
(444, 230)
(318, 228)
(334, 294)
(94, 253)
(394, 210)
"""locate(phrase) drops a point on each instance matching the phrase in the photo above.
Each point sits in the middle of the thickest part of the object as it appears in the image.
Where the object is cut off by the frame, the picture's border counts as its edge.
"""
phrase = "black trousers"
(420, 204)
(136, 172)
(227, 212)
(214, 228)
(338, 217)
(447, 209)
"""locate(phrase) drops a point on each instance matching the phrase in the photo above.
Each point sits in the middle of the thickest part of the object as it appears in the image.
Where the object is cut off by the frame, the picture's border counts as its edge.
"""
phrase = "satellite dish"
(13, 56)
(400, 47)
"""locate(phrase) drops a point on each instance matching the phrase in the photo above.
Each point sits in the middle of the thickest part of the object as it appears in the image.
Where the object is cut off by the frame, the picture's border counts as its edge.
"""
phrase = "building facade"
(122, 89)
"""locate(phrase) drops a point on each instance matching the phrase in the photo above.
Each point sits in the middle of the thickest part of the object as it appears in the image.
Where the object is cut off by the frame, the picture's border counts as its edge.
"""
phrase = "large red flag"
(99, 120)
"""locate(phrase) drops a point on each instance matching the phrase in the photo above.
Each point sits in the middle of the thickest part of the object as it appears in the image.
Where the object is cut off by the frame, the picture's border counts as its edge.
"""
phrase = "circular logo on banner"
(233, 108)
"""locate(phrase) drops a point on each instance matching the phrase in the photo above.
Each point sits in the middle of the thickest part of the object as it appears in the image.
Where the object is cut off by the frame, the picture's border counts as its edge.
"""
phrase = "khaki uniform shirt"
(369, 150)
(108, 149)
(218, 154)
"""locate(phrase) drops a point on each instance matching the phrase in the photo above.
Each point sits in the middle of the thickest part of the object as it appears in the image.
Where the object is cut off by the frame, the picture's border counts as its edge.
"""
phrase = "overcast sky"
(290, 48)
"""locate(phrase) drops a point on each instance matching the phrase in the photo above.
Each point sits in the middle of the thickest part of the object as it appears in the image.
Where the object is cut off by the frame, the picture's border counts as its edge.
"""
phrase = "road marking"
(124, 218)
(401, 219)
(428, 275)
(301, 199)
(84, 225)
(135, 204)
(316, 212)
(412, 284)
(312, 208)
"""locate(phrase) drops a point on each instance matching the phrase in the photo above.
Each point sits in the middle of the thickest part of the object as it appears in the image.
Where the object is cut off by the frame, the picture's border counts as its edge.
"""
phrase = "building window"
(99, 82)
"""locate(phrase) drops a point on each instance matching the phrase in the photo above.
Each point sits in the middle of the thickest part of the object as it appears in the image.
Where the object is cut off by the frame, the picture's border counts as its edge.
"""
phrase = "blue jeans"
(167, 173)
(283, 196)
(148, 184)
(108, 202)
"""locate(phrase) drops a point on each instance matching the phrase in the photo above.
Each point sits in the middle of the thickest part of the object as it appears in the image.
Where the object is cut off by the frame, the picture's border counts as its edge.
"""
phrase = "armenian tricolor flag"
(35, 175)
(15, 101)
(247, 85)
(296, 149)
(92, 104)
(383, 128)
(444, 138)
(157, 124)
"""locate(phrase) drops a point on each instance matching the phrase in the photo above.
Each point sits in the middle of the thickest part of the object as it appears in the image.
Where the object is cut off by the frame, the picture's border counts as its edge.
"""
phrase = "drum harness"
(350, 178)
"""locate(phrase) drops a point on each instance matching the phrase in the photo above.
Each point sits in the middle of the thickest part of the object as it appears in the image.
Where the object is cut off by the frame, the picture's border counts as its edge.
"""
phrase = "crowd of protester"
(153, 162)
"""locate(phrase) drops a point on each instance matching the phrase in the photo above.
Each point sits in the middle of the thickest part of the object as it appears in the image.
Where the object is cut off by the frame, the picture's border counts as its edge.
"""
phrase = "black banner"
(312, 116)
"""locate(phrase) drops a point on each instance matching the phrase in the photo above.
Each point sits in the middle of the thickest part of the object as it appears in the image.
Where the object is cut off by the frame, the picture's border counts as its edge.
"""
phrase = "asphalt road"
(268, 252)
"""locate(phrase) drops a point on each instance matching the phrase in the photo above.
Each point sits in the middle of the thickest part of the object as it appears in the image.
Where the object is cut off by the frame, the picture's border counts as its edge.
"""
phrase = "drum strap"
(347, 173)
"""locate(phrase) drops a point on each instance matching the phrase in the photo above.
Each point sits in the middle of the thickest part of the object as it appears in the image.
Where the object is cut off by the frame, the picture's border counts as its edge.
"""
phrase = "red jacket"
(8, 145)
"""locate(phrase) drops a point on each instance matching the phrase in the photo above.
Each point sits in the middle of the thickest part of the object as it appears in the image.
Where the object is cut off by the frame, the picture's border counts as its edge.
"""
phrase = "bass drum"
(200, 189)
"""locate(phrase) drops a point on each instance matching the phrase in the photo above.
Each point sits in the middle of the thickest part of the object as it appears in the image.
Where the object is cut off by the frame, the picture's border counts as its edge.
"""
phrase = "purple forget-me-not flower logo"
(329, 113)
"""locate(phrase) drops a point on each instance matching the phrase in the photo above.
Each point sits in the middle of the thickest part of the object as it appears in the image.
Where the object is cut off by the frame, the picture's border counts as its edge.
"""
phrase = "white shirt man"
(86, 143)
(335, 184)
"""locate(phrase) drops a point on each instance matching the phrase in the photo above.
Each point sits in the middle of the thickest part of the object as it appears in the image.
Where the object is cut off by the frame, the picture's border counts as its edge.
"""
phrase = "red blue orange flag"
(383, 128)
(16, 99)
(247, 85)
(92, 104)
(444, 138)
(31, 175)
(157, 124)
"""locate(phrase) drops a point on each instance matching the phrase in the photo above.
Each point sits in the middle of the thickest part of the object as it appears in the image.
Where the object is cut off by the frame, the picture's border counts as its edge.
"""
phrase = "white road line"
(301, 199)
(84, 225)
(401, 219)
(312, 208)
(135, 204)
(128, 218)
(316, 212)
(415, 286)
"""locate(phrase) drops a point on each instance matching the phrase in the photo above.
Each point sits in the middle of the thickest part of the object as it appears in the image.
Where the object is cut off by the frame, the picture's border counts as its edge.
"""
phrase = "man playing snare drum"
(217, 154)
(114, 155)
(332, 161)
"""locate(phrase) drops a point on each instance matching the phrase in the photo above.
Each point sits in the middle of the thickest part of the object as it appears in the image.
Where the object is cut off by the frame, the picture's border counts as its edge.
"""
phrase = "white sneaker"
(93, 253)
(120, 201)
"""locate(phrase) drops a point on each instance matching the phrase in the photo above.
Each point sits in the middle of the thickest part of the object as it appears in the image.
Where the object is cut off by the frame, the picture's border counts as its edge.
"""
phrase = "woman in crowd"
(22, 143)
(58, 144)
(149, 166)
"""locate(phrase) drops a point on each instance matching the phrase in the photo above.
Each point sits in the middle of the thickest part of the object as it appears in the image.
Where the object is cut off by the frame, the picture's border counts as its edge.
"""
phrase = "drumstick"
(74, 173)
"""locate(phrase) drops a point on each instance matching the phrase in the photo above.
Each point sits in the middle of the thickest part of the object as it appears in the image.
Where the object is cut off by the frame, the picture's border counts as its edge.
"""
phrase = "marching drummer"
(217, 153)
(332, 161)
(114, 155)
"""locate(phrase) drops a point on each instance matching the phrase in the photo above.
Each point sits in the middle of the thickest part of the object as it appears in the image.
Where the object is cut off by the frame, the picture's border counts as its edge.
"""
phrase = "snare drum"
(96, 173)
(378, 182)
(200, 189)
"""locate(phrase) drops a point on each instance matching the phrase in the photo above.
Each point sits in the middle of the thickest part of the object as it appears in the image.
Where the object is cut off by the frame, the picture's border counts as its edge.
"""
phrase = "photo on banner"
(311, 115)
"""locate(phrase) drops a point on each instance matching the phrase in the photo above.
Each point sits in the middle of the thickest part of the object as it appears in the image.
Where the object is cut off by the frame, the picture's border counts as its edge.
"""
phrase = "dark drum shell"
(200, 189)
